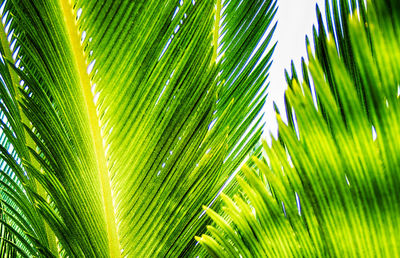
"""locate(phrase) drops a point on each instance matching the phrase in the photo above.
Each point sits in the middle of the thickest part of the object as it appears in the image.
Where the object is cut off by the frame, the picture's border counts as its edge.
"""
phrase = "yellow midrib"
(216, 30)
(79, 60)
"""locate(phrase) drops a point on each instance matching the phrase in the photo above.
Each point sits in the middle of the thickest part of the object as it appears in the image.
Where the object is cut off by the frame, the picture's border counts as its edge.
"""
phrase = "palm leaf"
(329, 186)
(125, 173)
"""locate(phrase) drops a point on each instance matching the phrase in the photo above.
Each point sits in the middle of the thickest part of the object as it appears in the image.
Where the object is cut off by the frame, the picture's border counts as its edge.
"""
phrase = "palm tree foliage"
(329, 185)
(178, 87)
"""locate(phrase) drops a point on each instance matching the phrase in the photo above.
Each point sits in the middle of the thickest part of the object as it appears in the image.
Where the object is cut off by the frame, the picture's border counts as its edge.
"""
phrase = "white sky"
(295, 20)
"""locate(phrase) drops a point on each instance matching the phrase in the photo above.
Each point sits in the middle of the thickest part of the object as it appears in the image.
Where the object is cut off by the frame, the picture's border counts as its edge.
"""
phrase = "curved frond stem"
(51, 239)
(5, 45)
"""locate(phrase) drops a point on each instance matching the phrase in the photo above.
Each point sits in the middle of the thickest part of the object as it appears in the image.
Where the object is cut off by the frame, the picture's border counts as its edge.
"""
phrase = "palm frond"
(329, 187)
(126, 173)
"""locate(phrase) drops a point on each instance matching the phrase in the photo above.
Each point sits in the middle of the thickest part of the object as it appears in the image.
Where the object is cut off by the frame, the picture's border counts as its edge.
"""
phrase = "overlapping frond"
(126, 173)
(330, 184)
